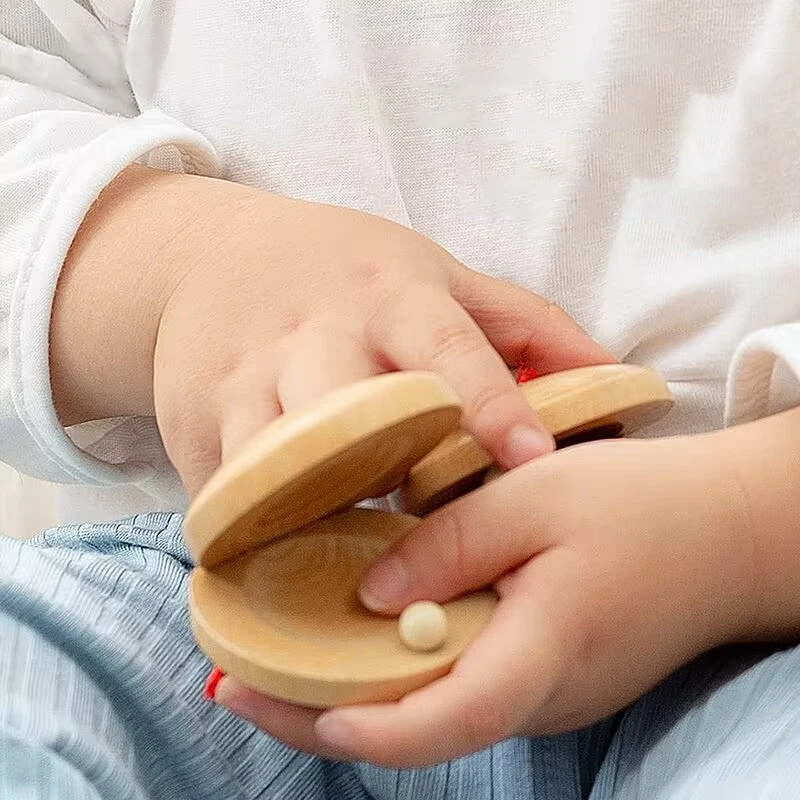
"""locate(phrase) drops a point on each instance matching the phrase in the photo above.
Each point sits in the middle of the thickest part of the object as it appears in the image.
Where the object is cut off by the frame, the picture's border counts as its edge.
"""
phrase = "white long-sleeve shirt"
(635, 161)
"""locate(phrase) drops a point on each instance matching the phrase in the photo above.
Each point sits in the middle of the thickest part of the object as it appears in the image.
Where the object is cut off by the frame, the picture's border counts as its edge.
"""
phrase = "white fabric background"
(635, 161)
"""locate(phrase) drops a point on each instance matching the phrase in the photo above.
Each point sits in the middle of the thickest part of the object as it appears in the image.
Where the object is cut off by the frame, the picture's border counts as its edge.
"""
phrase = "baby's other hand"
(615, 563)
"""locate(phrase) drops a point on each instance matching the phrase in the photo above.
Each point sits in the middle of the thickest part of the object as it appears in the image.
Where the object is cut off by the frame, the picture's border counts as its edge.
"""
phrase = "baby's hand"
(615, 562)
(292, 299)
(216, 307)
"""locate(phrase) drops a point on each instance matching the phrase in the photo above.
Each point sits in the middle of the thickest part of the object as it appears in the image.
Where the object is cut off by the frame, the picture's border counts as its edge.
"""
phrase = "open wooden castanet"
(280, 551)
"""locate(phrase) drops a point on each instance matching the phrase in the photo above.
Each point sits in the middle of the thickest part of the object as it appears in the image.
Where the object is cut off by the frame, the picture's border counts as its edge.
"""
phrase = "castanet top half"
(355, 443)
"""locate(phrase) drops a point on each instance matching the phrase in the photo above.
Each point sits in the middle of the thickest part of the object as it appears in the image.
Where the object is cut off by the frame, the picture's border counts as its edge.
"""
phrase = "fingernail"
(212, 684)
(385, 585)
(334, 732)
(524, 444)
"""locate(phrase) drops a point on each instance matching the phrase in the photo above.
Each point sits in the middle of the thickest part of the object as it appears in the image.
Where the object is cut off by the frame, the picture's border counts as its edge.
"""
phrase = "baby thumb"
(439, 560)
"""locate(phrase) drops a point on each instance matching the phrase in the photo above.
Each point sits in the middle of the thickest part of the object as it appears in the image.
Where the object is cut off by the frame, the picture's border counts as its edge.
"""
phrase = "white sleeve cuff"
(764, 376)
(41, 447)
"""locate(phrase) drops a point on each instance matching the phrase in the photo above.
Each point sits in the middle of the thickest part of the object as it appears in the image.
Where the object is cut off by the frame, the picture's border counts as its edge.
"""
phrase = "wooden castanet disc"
(608, 400)
(285, 619)
(352, 444)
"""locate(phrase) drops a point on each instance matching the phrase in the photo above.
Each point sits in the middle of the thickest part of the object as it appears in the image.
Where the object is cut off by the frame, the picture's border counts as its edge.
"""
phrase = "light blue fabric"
(100, 699)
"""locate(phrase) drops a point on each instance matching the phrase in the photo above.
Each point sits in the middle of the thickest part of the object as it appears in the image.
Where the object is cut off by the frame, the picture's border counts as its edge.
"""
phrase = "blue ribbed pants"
(100, 699)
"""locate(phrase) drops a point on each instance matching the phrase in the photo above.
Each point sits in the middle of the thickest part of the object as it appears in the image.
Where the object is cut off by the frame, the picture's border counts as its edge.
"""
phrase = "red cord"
(525, 374)
(212, 681)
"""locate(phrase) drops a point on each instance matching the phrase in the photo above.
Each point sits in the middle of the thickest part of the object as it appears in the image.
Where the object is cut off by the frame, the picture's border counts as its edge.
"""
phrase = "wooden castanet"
(273, 599)
(589, 402)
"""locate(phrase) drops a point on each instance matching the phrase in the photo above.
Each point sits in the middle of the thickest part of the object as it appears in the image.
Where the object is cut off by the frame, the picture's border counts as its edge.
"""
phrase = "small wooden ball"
(423, 626)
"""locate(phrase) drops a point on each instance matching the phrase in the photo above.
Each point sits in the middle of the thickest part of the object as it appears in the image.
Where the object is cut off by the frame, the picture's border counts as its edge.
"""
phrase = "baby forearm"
(766, 459)
(132, 249)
